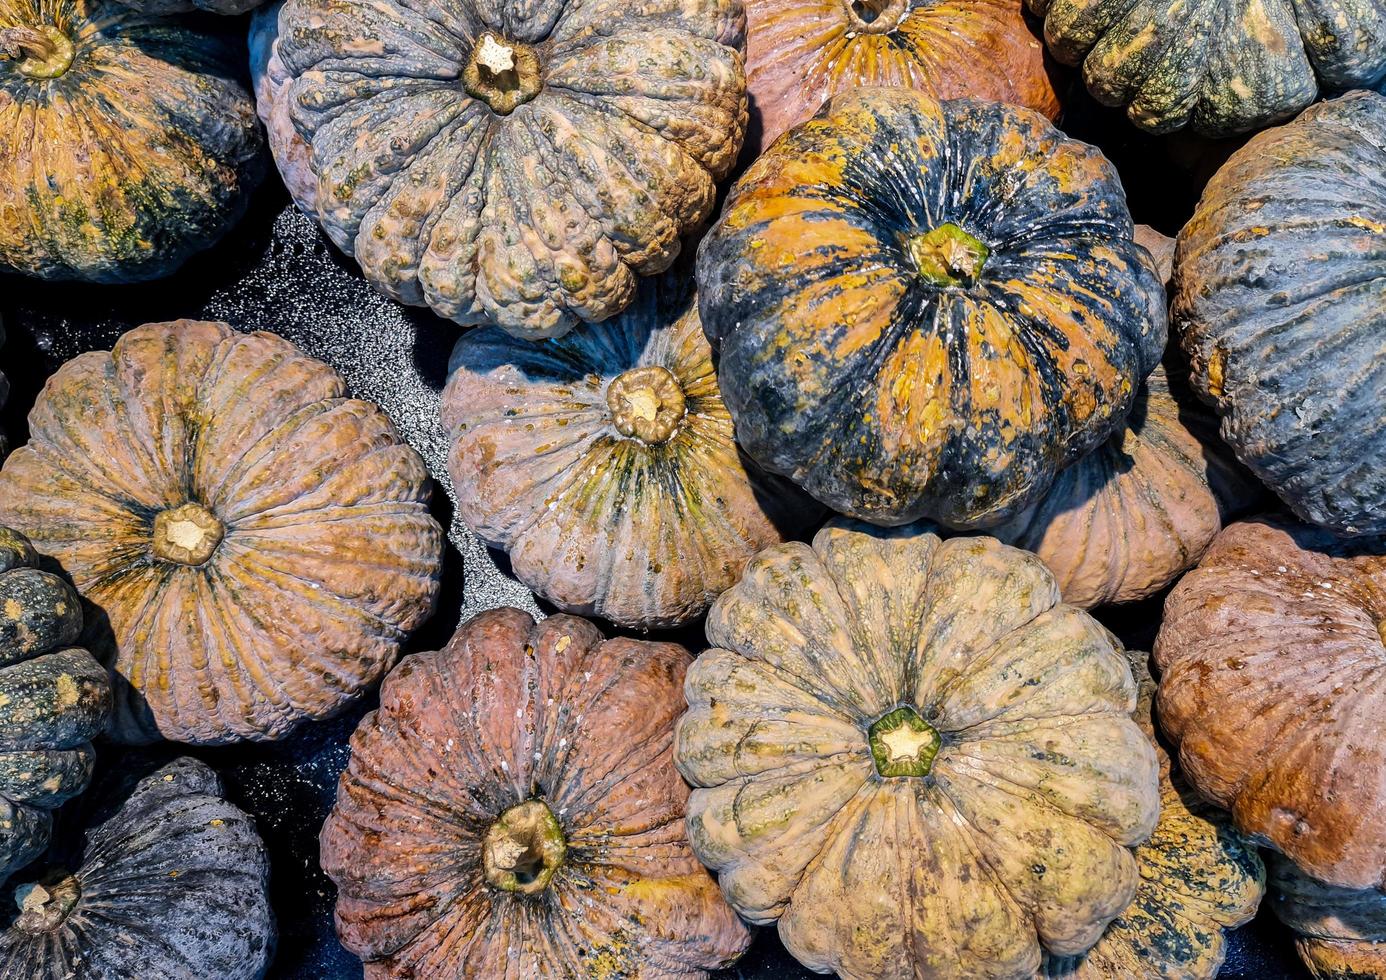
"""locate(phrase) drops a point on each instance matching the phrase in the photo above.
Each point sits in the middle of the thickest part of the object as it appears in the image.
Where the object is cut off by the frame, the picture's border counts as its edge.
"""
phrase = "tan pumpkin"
(1340, 932)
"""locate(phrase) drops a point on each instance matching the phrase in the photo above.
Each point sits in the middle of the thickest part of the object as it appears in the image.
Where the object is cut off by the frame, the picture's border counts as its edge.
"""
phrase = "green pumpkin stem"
(948, 256)
(502, 73)
(523, 849)
(42, 52)
(903, 743)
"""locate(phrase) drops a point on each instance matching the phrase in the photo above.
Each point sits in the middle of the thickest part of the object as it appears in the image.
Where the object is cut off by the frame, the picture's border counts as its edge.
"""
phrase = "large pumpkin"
(512, 809)
(127, 141)
(1340, 932)
(1219, 66)
(167, 880)
(927, 309)
(603, 462)
(271, 81)
(515, 164)
(800, 53)
(1280, 283)
(1273, 686)
(914, 757)
(260, 544)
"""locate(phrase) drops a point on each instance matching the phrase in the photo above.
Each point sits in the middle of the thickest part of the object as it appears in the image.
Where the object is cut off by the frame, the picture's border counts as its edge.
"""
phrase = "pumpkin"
(1198, 878)
(260, 544)
(1273, 666)
(1279, 285)
(927, 309)
(515, 165)
(1341, 932)
(603, 462)
(1220, 67)
(800, 53)
(54, 699)
(512, 808)
(167, 880)
(271, 82)
(914, 757)
(127, 141)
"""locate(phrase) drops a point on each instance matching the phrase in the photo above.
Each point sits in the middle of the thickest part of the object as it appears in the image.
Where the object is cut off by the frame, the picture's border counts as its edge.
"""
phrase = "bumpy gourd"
(1340, 932)
(260, 544)
(127, 141)
(513, 806)
(913, 757)
(271, 80)
(515, 164)
(927, 309)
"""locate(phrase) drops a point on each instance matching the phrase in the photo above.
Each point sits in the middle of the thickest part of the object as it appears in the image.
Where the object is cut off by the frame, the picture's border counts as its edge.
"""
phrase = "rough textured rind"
(1016, 841)
(1280, 291)
(1341, 932)
(173, 884)
(271, 81)
(800, 53)
(540, 218)
(511, 711)
(884, 395)
(1219, 66)
(1273, 687)
(598, 522)
(329, 555)
(142, 153)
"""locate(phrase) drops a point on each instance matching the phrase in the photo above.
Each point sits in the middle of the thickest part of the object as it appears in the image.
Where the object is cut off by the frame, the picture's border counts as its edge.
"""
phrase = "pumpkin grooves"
(524, 848)
(876, 16)
(45, 905)
(43, 52)
(646, 403)
(948, 256)
(187, 535)
(502, 73)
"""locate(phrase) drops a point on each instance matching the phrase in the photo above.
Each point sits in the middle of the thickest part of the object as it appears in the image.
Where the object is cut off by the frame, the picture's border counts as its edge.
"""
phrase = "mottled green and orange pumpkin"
(927, 309)
(1340, 932)
(127, 140)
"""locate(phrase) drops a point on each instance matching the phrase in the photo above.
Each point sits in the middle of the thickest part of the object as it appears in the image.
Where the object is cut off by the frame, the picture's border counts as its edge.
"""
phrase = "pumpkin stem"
(948, 256)
(503, 74)
(44, 905)
(187, 535)
(876, 16)
(903, 744)
(42, 52)
(523, 849)
(646, 403)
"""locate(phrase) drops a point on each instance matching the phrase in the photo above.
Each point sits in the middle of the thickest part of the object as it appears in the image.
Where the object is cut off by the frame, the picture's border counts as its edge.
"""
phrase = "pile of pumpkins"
(919, 306)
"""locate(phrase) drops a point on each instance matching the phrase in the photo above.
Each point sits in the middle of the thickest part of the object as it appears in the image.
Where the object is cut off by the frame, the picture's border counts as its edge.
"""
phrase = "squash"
(913, 757)
(166, 880)
(1279, 285)
(603, 462)
(513, 801)
(260, 544)
(927, 309)
(1218, 66)
(54, 699)
(1340, 932)
(1273, 686)
(271, 81)
(515, 165)
(127, 141)
(800, 53)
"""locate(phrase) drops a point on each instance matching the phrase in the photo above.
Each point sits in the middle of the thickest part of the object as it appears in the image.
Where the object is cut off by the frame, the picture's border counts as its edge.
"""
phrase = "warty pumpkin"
(927, 309)
(913, 757)
(515, 164)
(127, 140)
(1280, 283)
(603, 462)
(1273, 687)
(167, 880)
(512, 811)
(260, 544)
(1219, 66)
(54, 699)
(1340, 932)
(271, 81)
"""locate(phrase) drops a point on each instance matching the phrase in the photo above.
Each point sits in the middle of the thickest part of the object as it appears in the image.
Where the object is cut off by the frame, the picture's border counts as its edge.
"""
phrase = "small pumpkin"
(514, 801)
(1340, 932)
(604, 463)
(913, 757)
(260, 544)
(1220, 67)
(271, 80)
(127, 140)
(54, 699)
(1273, 687)
(168, 880)
(1279, 285)
(800, 53)
(927, 309)
(519, 165)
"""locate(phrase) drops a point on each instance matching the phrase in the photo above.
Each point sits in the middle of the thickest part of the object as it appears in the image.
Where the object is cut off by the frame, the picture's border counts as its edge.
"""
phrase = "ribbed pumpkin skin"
(174, 884)
(161, 165)
(1341, 931)
(889, 397)
(1217, 66)
(533, 219)
(1273, 685)
(1015, 841)
(1280, 284)
(328, 558)
(800, 53)
(599, 522)
(508, 712)
(271, 81)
